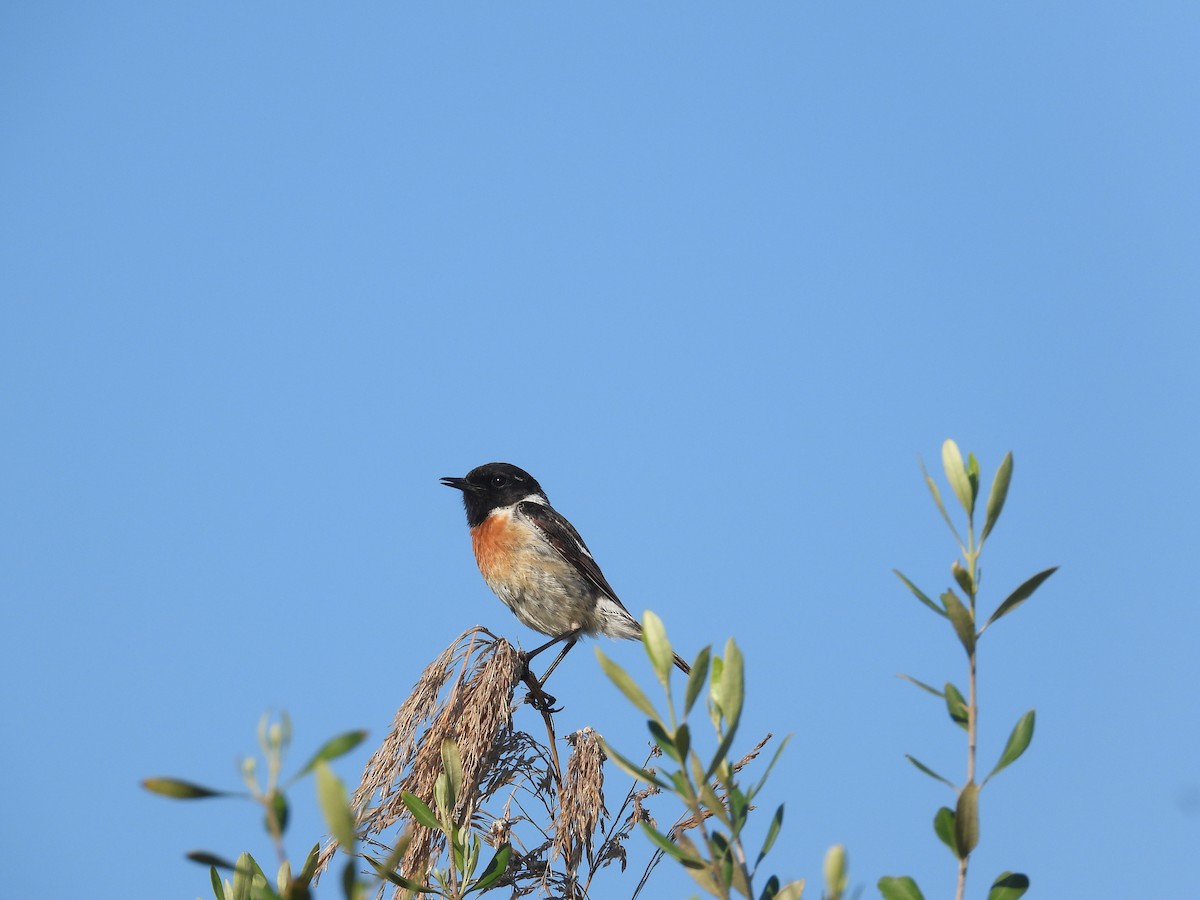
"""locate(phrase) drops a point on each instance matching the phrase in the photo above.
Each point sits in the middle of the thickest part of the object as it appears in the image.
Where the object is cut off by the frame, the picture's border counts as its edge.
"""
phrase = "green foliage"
(708, 843)
(958, 828)
(249, 882)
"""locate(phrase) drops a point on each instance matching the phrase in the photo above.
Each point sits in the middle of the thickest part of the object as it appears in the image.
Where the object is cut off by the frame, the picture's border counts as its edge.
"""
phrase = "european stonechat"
(536, 562)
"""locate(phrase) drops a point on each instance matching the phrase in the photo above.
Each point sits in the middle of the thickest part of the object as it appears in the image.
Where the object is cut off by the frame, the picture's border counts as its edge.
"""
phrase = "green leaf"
(669, 847)
(961, 619)
(899, 888)
(943, 827)
(277, 810)
(919, 594)
(732, 685)
(217, 886)
(332, 749)
(310, 865)
(928, 771)
(963, 577)
(179, 790)
(335, 806)
(452, 766)
(696, 680)
(420, 811)
(393, 877)
(1018, 742)
(495, 870)
(658, 648)
(1021, 594)
(683, 740)
(443, 804)
(721, 754)
(966, 820)
(956, 474)
(209, 859)
(973, 477)
(922, 685)
(772, 834)
(793, 890)
(937, 499)
(836, 871)
(633, 769)
(1008, 886)
(243, 876)
(997, 495)
(956, 705)
(665, 741)
(621, 679)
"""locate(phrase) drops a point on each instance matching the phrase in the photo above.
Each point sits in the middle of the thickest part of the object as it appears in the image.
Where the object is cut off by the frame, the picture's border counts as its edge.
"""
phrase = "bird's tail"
(683, 666)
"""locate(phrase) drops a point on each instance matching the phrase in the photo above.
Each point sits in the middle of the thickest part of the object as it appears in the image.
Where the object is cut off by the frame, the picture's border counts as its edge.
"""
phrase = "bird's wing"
(562, 536)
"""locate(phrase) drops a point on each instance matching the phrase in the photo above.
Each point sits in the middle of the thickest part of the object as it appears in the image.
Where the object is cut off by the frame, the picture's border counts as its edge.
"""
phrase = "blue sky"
(716, 276)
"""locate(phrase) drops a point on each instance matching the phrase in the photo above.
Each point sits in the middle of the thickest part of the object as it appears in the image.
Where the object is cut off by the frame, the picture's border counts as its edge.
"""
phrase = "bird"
(534, 560)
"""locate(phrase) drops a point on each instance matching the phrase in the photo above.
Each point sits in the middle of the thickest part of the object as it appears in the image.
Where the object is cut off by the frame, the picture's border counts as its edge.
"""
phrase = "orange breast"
(496, 542)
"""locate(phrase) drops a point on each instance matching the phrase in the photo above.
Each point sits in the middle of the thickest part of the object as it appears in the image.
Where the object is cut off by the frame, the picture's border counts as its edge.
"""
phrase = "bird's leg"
(538, 696)
(565, 650)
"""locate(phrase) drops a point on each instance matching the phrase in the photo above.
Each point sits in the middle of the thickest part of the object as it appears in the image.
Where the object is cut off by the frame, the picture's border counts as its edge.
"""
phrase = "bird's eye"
(499, 480)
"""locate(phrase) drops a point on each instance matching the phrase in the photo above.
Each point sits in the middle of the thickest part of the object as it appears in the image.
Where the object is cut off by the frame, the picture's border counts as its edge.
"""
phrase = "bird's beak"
(459, 483)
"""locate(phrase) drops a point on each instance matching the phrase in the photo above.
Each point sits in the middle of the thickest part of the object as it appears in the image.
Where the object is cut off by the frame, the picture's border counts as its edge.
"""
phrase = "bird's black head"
(492, 486)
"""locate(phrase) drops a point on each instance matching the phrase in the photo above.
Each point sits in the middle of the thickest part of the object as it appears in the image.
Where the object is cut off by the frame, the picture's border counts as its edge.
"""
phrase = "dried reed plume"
(514, 790)
(472, 711)
(581, 802)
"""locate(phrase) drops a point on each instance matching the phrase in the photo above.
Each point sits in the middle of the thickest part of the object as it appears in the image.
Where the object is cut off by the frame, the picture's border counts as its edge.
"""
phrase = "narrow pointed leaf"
(956, 474)
(1009, 886)
(665, 742)
(696, 680)
(495, 869)
(217, 885)
(669, 847)
(658, 647)
(956, 705)
(793, 890)
(335, 806)
(997, 495)
(1021, 594)
(452, 766)
(310, 865)
(621, 679)
(943, 827)
(332, 749)
(721, 754)
(918, 593)
(836, 871)
(420, 810)
(179, 790)
(393, 877)
(922, 685)
(277, 813)
(1018, 742)
(894, 887)
(928, 771)
(683, 740)
(963, 577)
(243, 876)
(732, 685)
(961, 619)
(966, 820)
(973, 477)
(772, 834)
(633, 769)
(937, 499)
(205, 858)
